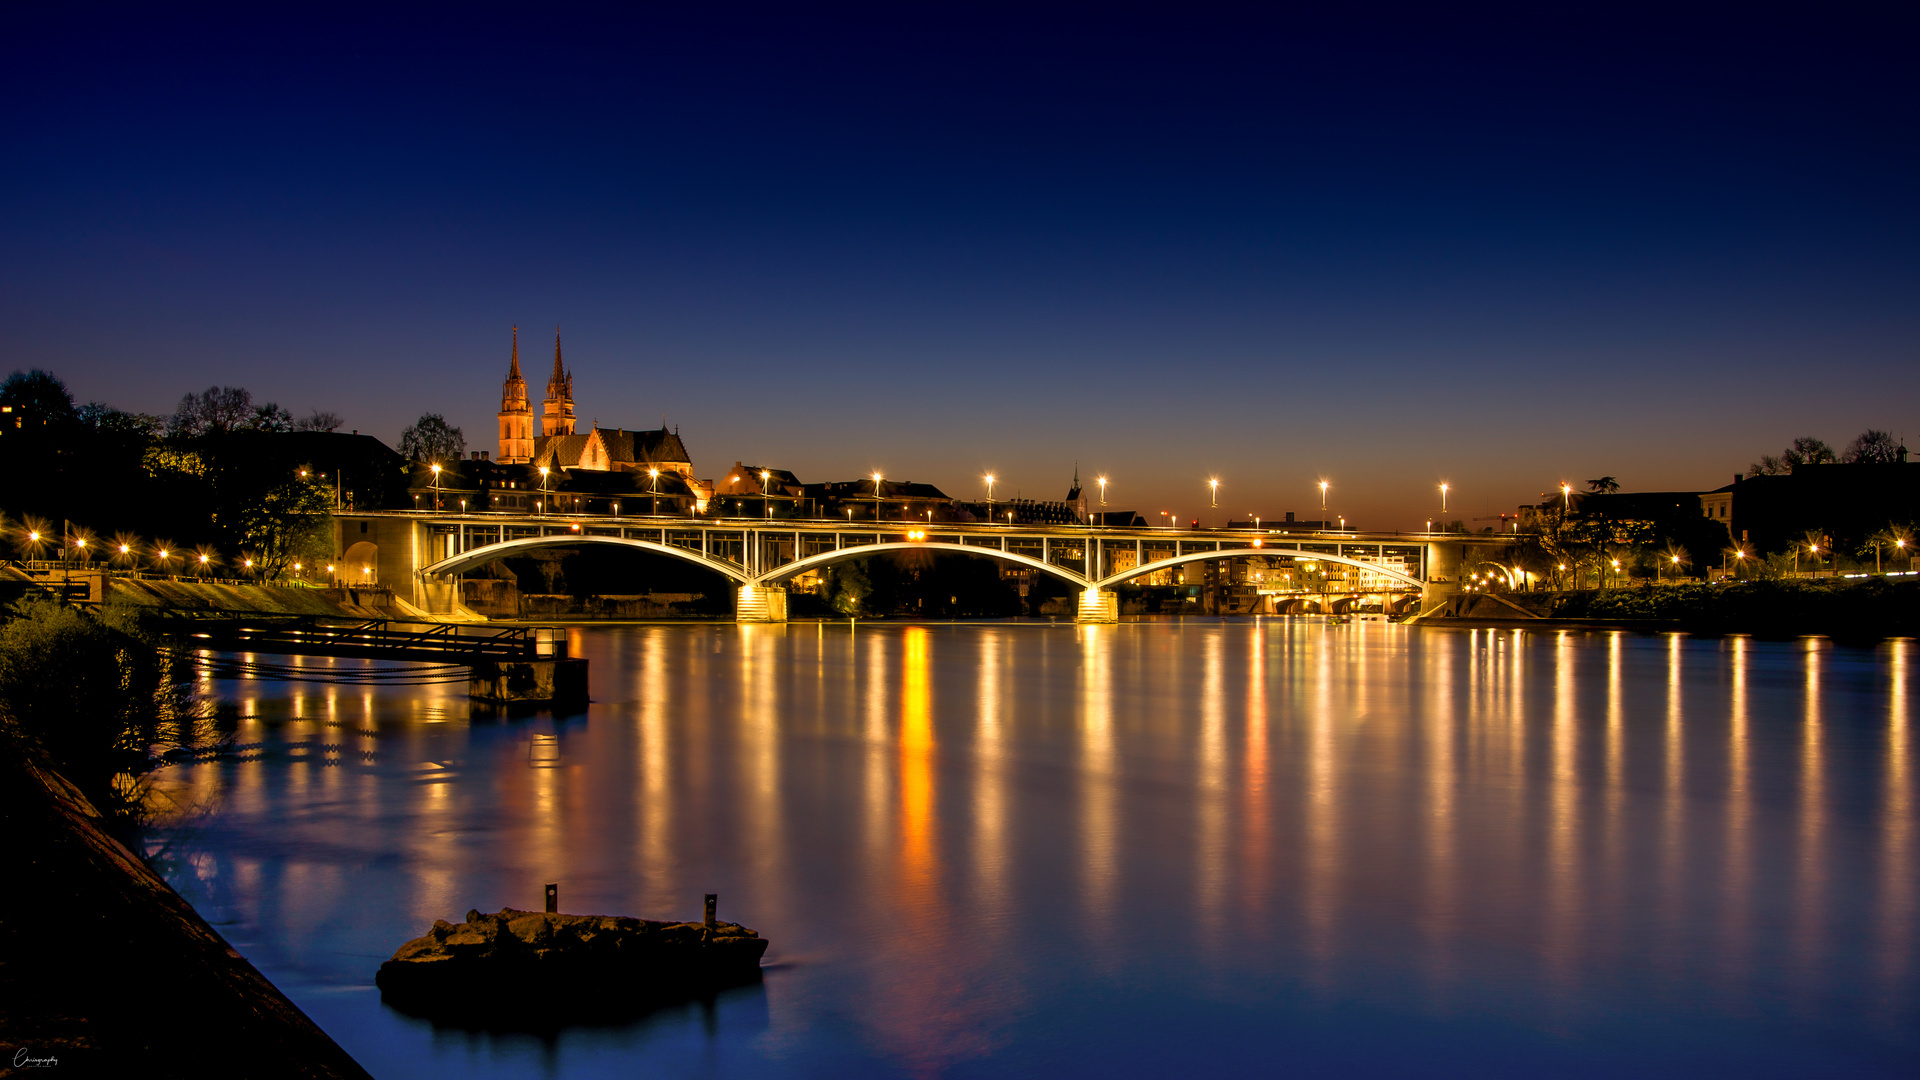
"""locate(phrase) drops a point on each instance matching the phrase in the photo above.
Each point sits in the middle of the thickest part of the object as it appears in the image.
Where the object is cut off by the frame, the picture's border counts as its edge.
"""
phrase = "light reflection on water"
(1128, 850)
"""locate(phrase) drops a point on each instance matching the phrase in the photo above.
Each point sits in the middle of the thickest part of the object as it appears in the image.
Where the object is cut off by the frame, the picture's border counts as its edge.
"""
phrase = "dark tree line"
(222, 473)
(1870, 447)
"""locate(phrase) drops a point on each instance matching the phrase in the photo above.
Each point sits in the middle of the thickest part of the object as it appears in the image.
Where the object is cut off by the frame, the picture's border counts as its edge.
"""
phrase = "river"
(1153, 849)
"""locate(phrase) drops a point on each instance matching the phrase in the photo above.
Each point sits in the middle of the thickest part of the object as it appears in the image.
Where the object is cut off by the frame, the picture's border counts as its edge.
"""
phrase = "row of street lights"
(127, 552)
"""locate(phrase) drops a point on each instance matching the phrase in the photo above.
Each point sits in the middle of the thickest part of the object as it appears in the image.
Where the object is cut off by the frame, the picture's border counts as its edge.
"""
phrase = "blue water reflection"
(1135, 850)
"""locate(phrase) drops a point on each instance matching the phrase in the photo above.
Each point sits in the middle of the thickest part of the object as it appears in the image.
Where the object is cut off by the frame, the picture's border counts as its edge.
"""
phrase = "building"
(516, 413)
(1845, 502)
(558, 447)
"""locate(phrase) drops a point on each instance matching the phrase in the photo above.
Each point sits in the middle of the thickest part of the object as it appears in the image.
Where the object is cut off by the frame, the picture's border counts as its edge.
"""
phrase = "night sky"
(1168, 242)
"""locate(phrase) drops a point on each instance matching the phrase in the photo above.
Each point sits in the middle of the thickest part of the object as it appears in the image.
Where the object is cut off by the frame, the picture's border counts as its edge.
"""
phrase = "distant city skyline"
(1238, 244)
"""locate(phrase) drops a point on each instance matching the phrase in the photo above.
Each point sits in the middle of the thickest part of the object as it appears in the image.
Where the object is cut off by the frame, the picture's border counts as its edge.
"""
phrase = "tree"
(1606, 485)
(1872, 447)
(431, 439)
(220, 409)
(848, 587)
(37, 396)
(271, 417)
(1806, 450)
(284, 522)
(318, 420)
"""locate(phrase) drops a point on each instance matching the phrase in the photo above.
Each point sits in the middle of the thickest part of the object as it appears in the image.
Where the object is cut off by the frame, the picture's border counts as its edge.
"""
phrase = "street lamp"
(1323, 502)
(543, 490)
(989, 479)
(876, 497)
(1566, 496)
(1215, 485)
(764, 504)
(1103, 491)
(1443, 499)
(654, 478)
(436, 486)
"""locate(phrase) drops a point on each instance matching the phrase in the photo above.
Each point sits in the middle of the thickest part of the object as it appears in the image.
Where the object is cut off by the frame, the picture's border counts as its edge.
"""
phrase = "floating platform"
(531, 969)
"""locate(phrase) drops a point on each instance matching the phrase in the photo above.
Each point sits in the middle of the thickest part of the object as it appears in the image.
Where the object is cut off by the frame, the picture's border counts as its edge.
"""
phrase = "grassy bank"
(102, 965)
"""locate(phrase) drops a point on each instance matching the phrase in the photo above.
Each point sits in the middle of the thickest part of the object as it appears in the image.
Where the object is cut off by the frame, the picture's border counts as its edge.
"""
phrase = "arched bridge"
(761, 558)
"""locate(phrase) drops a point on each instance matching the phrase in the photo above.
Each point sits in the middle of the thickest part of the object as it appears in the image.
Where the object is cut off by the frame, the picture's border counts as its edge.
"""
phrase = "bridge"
(428, 550)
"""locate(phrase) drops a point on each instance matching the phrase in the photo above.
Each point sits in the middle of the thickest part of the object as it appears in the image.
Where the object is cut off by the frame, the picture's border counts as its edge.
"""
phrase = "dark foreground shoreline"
(104, 967)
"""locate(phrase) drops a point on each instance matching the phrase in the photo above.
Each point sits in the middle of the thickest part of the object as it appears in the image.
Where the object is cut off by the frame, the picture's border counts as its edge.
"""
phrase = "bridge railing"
(271, 632)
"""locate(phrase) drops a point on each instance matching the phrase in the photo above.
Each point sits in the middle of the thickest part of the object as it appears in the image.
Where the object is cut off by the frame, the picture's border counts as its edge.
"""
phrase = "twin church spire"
(516, 411)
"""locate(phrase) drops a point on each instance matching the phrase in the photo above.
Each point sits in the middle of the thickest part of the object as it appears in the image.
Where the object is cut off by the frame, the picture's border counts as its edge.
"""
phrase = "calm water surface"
(1142, 850)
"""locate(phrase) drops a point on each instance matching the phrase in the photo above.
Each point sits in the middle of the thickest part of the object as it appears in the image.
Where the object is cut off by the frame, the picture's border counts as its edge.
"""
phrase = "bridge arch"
(793, 569)
(1110, 581)
(467, 560)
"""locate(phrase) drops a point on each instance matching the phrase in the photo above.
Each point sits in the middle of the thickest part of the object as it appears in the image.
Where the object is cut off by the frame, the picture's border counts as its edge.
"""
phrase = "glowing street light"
(543, 488)
(989, 480)
(436, 485)
(1103, 490)
(1566, 496)
(1443, 498)
(1215, 485)
(1323, 499)
(765, 476)
(876, 497)
(653, 476)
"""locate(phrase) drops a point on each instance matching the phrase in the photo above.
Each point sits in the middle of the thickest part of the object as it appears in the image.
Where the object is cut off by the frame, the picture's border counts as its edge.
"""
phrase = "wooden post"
(553, 898)
(713, 906)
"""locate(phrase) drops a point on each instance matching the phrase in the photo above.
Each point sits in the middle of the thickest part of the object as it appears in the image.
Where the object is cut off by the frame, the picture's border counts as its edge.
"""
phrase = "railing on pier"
(363, 638)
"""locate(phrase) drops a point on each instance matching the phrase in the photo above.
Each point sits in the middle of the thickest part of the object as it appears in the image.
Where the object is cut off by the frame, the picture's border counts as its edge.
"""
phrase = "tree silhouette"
(1872, 447)
(432, 439)
(1606, 485)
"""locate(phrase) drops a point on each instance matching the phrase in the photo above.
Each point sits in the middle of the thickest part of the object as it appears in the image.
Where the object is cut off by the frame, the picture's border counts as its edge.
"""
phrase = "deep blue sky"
(1496, 247)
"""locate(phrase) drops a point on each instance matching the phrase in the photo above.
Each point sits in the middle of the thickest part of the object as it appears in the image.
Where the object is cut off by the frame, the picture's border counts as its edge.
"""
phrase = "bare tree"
(221, 408)
(1806, 450)
(432, 439)
(1872, 447)
(318, 420)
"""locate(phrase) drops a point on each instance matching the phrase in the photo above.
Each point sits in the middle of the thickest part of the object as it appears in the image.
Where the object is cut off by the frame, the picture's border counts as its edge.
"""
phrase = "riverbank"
(1855, 610)
(103, 966)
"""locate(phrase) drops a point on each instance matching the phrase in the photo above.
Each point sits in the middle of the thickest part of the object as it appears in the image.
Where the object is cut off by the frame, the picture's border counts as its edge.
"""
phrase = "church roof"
(658, 444)
(639, 447)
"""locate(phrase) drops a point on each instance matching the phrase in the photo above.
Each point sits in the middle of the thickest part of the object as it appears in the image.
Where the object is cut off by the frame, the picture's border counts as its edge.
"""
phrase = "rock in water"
(531, 968)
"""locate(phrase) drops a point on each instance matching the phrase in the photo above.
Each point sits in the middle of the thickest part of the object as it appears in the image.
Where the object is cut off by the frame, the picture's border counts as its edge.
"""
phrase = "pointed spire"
(559, 372)
(513, 370)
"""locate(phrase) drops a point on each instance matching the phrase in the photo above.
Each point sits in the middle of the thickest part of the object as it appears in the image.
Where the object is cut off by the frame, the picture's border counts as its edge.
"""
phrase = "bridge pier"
(561, 683)
(760, 603)
(1098, 606)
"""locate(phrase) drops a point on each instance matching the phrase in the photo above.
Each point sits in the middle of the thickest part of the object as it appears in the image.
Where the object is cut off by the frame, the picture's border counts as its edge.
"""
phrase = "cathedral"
(558, 446)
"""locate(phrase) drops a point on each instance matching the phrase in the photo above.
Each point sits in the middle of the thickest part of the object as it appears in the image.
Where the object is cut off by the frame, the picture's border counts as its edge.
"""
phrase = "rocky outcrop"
(530, 968)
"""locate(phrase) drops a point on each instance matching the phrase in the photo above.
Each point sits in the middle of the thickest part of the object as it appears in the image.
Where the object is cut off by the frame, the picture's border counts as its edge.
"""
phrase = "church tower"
(516, 413)
(556, 416)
